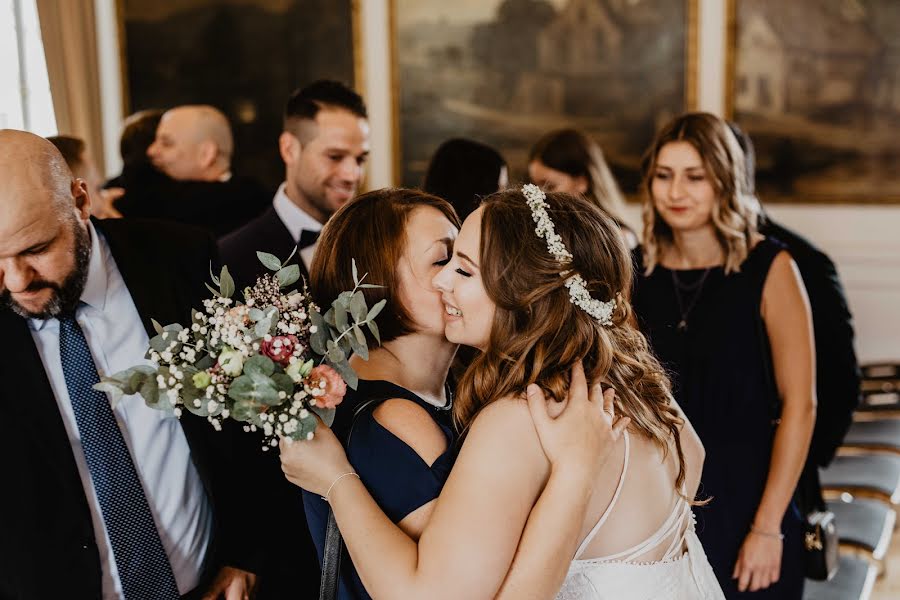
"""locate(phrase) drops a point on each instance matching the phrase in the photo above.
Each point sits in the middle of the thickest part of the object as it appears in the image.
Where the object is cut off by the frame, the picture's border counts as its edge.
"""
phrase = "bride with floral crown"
(539, 283)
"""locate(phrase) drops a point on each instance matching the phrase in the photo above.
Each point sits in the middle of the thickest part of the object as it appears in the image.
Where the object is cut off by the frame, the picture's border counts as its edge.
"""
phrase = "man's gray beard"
(65, 297)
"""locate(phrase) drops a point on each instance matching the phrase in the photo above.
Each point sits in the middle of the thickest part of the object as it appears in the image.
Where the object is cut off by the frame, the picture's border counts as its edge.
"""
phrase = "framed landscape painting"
(244, 57)
(504, 72)
(816, 84)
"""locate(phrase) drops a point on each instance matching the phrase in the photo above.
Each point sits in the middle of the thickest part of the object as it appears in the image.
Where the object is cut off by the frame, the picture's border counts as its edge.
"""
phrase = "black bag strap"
(334, 542)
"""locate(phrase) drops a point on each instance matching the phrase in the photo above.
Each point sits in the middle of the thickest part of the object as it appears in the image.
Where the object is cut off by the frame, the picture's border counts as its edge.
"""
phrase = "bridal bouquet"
(272, 362)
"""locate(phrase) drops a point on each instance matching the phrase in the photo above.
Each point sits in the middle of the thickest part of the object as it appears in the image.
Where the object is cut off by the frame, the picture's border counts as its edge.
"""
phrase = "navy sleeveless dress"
(396, 477)
(720, 365)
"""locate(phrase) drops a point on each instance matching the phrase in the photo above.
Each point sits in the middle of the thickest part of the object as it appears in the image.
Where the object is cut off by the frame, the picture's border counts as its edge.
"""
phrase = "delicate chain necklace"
(679, 287)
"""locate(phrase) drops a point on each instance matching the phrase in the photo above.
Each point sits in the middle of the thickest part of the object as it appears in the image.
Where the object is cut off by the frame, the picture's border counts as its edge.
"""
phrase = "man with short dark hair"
(102, 501)
(324, 145)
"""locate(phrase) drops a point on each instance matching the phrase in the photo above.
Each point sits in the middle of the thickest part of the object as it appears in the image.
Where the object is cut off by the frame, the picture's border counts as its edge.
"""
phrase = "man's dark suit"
(217, 206)
(47, 545)
(265, 233)
(291, 568)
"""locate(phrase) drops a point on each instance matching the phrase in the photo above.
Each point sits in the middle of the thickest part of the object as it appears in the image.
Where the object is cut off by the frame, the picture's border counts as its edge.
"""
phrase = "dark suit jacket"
(265, 233)
(291, 567)
(837, 370)
(47, 546)
(216, 206)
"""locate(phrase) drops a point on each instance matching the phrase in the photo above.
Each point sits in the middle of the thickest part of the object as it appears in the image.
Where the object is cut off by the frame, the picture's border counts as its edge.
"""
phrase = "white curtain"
(68, 29)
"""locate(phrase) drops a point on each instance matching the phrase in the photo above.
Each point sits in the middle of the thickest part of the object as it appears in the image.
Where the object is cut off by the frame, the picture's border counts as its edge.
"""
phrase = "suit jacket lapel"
(143, 278)
(28, 387)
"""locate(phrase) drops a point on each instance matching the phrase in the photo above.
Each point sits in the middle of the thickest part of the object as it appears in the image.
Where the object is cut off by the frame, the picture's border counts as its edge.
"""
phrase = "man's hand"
(232, 584)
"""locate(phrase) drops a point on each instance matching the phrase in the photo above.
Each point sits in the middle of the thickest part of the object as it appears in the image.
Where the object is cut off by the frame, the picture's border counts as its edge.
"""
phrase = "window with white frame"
(25, 101)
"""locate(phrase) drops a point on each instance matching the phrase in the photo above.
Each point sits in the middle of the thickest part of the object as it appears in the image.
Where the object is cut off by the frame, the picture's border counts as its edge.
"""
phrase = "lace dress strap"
(590, 536)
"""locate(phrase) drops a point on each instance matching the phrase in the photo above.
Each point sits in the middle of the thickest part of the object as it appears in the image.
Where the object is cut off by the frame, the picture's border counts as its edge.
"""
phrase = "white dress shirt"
(159, 449)
(296, 220)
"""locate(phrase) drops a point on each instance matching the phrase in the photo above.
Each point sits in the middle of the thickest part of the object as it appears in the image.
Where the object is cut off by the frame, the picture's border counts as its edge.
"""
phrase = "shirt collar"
(294, 218)
(95, 287)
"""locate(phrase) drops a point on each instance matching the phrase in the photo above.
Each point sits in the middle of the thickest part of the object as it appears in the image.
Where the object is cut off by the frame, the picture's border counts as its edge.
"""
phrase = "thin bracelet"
(779, 536)
(334, 483)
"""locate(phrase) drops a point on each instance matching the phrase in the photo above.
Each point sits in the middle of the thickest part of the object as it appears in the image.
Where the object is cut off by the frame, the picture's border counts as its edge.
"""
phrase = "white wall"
(862, 240)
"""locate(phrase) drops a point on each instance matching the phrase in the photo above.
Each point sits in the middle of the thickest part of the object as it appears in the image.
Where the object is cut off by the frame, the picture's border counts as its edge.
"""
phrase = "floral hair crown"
(578, 292)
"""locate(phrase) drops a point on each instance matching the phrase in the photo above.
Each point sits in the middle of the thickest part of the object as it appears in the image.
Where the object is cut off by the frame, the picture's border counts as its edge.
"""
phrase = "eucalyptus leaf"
(254, 388)
(293, 252)
(256, 315)
(156, 326)
(204, 363)
(317, 340)
(112, 387)
(326, 414)
(259, 364)
(346, 372)
(226, 283)
(283, 383)
(343, 299)
(288, 275)
(376, 310)
(336, 355)
(269, 261)
(345, 345)
(212, 289)
(358, 307)
(373, 327)
(370, 286)
(340, 318)
(212, 275)
(359, 347)
(329, 317)
(307, 426)
(355, 272)
(262, 327)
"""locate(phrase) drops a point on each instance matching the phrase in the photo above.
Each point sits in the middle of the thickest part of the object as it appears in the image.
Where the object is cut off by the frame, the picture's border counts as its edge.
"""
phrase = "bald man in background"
(193, 150)
(121, 502)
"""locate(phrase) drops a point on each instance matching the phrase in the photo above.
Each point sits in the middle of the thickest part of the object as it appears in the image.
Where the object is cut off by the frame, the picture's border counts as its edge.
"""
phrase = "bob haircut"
(371, 229)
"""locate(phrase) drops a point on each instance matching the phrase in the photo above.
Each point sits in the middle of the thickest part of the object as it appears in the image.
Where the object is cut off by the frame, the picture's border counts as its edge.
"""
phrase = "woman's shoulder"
(506, 419)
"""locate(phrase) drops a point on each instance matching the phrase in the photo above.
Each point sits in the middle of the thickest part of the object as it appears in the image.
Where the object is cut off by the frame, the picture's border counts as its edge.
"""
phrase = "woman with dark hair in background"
(727, 314)
(464, 171)
(567, 160)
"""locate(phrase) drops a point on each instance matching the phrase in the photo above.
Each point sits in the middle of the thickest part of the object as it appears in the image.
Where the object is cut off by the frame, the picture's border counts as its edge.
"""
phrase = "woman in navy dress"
(397, 424)
(726, 312)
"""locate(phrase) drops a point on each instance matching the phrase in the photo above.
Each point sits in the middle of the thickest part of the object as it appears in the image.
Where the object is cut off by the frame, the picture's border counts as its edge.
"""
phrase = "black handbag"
(820, 539)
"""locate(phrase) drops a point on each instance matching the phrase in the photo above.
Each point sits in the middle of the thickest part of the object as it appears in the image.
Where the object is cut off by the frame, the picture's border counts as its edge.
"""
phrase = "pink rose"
(327, 387)
(279, 348)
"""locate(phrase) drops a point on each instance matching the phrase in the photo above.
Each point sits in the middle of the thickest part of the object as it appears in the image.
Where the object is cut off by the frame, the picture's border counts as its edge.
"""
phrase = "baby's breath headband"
(578, 292)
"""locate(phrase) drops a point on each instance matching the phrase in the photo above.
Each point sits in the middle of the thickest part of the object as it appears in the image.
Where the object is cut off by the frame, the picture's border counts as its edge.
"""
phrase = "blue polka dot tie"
(144, 569)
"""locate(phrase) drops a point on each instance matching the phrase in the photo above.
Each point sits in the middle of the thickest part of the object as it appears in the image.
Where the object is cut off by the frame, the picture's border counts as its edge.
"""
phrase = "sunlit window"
(25, 101)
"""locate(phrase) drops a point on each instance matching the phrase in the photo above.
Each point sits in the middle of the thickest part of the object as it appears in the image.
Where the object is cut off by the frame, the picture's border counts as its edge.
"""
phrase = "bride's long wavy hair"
(537, 334)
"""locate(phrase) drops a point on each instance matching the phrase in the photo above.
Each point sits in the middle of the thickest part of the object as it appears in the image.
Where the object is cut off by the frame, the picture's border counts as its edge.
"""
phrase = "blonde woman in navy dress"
(726, 312)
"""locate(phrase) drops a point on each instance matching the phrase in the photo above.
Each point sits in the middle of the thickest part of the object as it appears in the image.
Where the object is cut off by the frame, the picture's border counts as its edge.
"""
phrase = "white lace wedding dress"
(683, 573)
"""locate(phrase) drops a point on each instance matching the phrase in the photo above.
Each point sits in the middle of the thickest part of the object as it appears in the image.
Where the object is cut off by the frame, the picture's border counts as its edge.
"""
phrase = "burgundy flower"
(279, 348)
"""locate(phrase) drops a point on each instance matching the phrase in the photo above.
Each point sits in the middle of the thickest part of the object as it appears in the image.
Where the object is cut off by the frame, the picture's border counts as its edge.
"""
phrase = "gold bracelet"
(334, 483)
(779, 536)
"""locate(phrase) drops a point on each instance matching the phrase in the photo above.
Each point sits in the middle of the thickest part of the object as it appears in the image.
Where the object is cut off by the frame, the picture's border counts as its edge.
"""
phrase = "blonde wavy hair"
(537, 334)
(733, 216)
